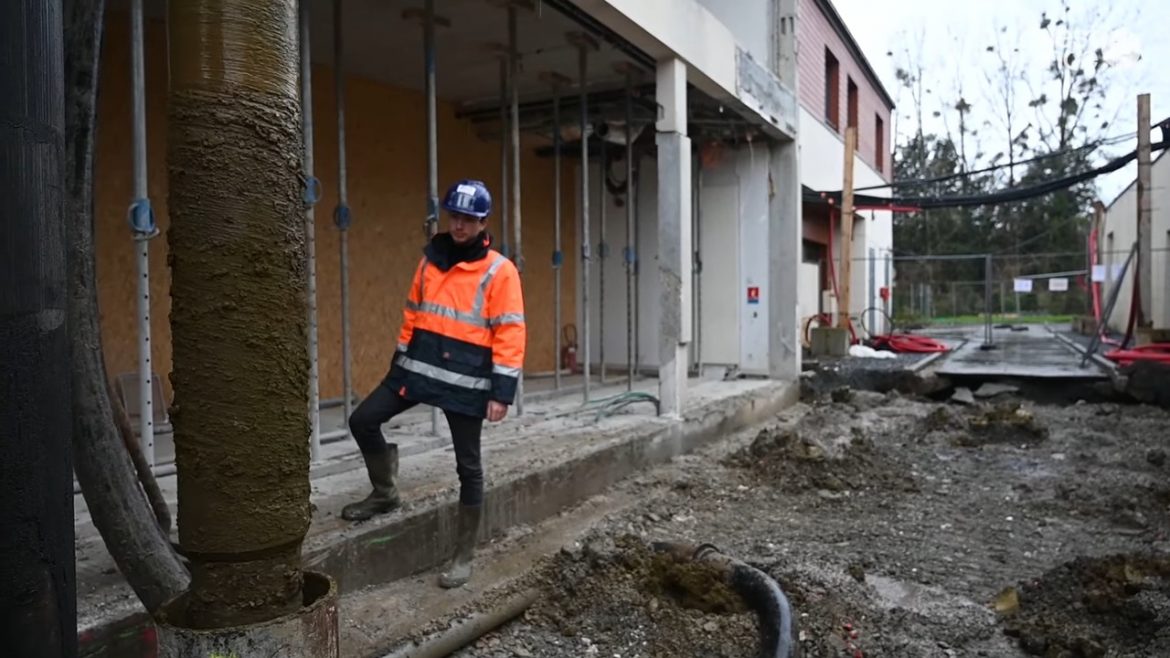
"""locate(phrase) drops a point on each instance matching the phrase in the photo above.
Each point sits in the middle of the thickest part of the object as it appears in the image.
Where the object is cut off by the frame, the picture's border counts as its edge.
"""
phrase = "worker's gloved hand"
(496, 411)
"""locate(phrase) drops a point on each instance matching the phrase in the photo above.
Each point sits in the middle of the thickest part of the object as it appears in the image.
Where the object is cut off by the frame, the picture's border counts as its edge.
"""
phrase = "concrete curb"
(422, 539)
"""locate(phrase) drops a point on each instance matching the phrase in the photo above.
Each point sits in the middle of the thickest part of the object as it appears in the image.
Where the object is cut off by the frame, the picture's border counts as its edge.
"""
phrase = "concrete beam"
(674, 236)
(716, 64)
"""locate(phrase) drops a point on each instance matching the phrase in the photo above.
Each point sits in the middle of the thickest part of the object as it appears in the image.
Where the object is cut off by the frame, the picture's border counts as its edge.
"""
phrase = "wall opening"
(832, 90)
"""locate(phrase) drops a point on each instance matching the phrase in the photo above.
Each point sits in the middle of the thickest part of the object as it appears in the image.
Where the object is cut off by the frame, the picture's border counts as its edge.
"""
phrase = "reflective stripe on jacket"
(463, 335)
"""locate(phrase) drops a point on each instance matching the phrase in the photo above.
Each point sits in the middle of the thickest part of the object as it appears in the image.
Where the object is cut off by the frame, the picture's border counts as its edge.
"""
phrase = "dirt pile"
(1003, 423)
(620, 597)
(1117, 605)
(827, 451)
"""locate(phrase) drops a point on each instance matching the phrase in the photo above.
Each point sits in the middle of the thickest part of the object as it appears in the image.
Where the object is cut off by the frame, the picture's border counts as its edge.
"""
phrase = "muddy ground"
(898, 527)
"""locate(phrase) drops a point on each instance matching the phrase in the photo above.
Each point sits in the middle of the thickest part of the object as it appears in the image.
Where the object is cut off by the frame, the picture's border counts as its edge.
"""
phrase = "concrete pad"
(554, 457)
(1021, 354)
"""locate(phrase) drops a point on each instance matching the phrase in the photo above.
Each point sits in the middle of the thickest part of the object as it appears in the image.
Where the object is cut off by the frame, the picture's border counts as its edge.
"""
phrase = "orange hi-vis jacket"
(463, 333)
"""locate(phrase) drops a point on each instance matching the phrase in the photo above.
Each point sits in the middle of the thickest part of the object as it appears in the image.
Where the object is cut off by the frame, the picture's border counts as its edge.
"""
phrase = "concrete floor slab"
(1031, 353)
(555, 456)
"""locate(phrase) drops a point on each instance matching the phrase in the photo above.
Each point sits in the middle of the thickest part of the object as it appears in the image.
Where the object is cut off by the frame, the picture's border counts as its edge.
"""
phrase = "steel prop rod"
(341, 215)
(429, 20)
(557, 82)
(584, 44)
(142, 231)
(312, 194)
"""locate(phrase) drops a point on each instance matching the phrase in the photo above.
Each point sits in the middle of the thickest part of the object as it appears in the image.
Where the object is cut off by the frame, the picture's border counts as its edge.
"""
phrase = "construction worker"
(461, 349)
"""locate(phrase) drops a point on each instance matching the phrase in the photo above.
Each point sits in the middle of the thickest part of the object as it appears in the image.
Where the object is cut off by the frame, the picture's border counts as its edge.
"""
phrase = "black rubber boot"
(459, 571)
(383, 469)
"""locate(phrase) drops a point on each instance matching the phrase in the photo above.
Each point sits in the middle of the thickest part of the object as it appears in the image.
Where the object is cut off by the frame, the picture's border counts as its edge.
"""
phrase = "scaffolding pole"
(341, 216)
(432, 225)
(602, 252)
(142, 229)
(630, 255)
(518, 243)
(312, 192)
(584, 44)
(557, 257)
(504, 173)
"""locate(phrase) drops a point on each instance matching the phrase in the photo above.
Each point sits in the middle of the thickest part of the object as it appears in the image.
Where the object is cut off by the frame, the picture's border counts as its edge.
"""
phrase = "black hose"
(778, 635)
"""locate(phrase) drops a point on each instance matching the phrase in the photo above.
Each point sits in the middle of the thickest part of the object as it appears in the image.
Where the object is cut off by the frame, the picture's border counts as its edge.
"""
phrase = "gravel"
(898, 527)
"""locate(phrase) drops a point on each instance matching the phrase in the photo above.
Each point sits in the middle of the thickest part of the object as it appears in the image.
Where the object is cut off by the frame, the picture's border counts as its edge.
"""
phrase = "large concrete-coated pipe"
(468, 630)
(310, 632)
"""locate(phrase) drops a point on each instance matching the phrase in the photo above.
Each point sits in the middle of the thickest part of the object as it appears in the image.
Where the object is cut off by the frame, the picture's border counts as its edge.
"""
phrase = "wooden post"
(1145, 276)
(846, 250)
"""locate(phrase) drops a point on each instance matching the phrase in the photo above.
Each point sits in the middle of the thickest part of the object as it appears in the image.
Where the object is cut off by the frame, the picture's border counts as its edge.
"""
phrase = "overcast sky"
(955, 35)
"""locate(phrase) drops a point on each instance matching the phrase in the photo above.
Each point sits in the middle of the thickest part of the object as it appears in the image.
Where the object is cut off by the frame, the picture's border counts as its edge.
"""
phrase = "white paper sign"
(1058, 285)
(1098, 273)
(1023, 285)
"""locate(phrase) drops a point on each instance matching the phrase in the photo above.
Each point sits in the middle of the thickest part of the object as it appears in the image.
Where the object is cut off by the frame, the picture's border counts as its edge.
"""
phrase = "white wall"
(822, 157)
(747, 20)
(732, 228)
(1121, 221)
(615, 271)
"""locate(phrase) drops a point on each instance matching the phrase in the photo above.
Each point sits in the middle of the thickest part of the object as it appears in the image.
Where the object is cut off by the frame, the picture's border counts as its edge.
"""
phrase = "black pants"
(384, 404)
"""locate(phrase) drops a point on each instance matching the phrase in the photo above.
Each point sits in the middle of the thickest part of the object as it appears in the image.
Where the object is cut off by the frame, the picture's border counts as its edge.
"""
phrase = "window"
(879, 153)
(851, 102)
(832, 90)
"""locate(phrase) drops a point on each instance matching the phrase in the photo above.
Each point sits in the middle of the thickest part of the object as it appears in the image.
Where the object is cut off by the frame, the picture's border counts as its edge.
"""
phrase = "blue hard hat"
(468, 197)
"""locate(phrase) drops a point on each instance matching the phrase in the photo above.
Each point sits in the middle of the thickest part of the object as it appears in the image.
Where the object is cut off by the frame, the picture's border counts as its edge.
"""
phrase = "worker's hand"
(496, 411)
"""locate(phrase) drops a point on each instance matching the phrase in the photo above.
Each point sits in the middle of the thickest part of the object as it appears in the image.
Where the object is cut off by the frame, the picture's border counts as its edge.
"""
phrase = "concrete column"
(674, 235)
(784, 215)
(784, 255)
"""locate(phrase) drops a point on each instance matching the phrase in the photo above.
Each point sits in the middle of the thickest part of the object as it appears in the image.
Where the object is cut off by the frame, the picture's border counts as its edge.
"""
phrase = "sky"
(954, 37)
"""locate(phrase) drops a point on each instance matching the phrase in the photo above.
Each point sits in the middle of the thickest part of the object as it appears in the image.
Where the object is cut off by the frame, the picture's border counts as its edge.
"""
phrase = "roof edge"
(827, 8)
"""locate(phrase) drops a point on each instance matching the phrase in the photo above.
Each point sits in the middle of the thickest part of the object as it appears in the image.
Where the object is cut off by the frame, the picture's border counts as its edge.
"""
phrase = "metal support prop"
(558, 257)
(602, 252)
(517, 246)
(504, 130)
(341, 216)
(432, 225)
(584, 43)
(312, 191)
(631, 254)
(637, 273)
(143, 229)
(987, 272)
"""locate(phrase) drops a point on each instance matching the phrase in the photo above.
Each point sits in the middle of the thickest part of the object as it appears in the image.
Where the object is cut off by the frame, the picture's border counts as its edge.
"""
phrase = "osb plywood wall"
(386, 143)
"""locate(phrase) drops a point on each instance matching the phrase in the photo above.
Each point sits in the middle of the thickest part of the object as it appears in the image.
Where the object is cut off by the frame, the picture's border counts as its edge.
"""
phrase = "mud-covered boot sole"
(368, 509)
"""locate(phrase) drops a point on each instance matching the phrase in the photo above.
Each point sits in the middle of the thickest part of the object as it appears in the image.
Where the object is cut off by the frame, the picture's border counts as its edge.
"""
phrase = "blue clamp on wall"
(558, 258)
(141, 218)
(312, 191)
(341, 217)
(631, 255)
